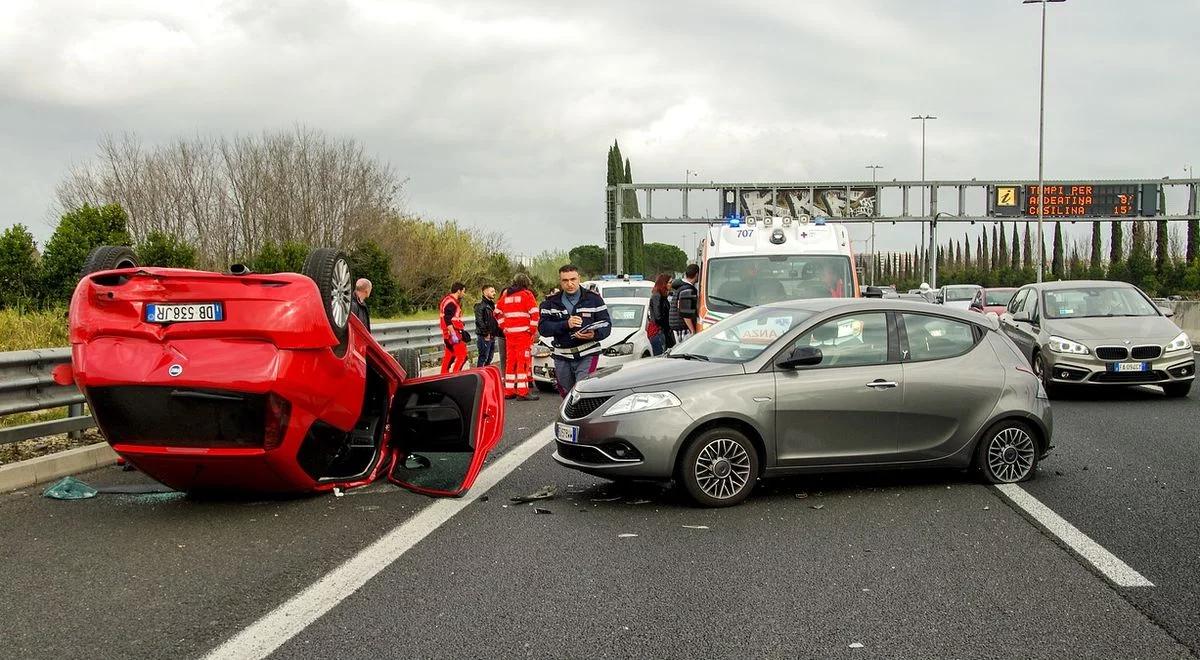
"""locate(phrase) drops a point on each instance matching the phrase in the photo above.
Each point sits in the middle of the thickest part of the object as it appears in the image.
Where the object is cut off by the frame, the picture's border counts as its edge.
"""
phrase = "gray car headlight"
(619, 349)
(1180, 343)
(1063, 345)
(541, 351)
(643, 401)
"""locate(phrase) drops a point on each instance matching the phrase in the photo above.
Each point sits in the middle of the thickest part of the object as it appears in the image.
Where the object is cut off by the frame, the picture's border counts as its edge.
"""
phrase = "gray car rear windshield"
(1097, 301)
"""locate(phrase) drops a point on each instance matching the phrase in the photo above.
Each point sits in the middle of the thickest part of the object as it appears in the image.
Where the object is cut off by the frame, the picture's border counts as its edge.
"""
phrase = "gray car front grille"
(582, 407)
(1146, 352)
(1112, 352)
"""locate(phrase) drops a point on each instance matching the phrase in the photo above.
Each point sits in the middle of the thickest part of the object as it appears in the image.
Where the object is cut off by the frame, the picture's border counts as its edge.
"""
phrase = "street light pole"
(1041, 266)
(874, 169)
(687, 179)
(923, 118)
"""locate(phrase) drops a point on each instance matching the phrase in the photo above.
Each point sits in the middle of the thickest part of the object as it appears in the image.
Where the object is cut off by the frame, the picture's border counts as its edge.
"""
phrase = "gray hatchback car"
(813, 385)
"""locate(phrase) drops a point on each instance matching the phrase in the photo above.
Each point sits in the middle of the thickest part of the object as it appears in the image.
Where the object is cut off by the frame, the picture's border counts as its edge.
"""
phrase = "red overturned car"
(266, 383)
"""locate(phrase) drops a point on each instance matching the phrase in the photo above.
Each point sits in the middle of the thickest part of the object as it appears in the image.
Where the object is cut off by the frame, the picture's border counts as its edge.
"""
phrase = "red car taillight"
(278, 411)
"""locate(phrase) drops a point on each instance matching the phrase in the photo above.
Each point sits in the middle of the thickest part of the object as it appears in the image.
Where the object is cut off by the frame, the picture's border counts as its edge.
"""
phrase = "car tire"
(109, 257)
(410, 361)
(719, 467)
(1008, 453)
(1039, 370)
(330, 270)
(546, 387)
(1177, 390)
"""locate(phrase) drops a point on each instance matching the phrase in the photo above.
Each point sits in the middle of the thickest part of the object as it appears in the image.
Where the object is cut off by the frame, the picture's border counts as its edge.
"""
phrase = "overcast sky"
(500, 112)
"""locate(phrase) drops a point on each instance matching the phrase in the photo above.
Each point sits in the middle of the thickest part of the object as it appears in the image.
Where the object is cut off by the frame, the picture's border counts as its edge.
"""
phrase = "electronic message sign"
(1074, 200)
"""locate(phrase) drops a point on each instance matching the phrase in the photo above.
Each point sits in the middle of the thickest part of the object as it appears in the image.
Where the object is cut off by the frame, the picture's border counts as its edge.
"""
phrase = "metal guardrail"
(26, 384)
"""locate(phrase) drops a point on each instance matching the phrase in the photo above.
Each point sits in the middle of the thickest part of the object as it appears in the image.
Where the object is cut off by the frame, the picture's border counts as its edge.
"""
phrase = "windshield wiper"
(688, 356)
(731, 302)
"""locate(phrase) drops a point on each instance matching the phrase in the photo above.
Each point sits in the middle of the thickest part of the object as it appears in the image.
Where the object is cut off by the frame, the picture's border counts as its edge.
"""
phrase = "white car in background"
(958, 296)
(628, 340)
(620, 288)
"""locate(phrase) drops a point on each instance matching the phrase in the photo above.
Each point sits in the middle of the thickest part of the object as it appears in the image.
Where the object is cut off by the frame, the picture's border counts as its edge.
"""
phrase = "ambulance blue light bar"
(819, 220)
(734, 221)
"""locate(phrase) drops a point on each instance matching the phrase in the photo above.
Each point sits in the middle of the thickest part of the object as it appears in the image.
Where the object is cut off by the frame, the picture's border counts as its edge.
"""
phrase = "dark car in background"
(811, 386)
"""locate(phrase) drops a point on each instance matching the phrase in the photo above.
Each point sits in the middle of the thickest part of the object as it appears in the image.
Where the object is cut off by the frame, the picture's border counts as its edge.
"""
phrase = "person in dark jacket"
(577, 321)
(486, 328)
(358, 301)
(685, 310)
(660, 314)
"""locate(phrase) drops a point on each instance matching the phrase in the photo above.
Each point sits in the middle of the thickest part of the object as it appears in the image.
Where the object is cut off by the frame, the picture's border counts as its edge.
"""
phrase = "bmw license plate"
(1129, 366)
(185, 313)
(566, 432)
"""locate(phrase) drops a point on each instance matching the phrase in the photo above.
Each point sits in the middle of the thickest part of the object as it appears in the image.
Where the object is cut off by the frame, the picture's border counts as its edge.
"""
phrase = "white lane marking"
(1120, 573)
(267, 634)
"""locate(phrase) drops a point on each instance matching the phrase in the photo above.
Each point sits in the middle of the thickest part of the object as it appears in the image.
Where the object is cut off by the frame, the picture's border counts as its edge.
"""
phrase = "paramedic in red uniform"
(837, 286)
(453, 333)
(517, 314)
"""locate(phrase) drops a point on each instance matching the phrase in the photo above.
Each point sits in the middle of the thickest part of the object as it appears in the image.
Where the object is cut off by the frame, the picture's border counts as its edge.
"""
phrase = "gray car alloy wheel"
(1010, 455)
(722, 468)
(340, 293)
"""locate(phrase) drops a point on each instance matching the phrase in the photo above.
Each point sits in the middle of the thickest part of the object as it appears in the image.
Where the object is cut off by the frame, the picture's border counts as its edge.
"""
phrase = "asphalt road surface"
(928, 564)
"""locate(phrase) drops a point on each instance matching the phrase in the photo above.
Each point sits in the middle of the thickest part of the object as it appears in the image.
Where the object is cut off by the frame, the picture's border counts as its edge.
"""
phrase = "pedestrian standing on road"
(358, 301)
(577, 320)
(454, 333)
(660, 315)
(685, 308)
(517, 315)
(486, 327)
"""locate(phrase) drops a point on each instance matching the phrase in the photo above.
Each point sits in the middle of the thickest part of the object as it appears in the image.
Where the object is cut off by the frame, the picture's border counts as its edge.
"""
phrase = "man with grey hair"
(358, 301)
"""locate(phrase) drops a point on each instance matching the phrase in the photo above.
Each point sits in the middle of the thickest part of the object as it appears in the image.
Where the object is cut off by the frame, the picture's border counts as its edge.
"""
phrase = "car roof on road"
(1075, 284)
(822, 305)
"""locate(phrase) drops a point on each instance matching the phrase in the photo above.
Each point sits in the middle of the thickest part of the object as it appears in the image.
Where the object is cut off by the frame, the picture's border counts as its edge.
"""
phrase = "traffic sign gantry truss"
(1005, 200)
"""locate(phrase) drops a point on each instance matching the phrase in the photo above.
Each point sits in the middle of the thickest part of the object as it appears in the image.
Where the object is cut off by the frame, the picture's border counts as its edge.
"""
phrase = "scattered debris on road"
(626, 536)
(543, 493)
(694, 526)
(542, 511)
(69, 488)
(817, 506)
(801, 496)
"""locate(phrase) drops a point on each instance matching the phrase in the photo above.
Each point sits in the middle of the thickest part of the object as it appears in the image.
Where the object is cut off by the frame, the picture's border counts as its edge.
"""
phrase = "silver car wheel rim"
(340, 298)
(1010, 455)
(722, 468)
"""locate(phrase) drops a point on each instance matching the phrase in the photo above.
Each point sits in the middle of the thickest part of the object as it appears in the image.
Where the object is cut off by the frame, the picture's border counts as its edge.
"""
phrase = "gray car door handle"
(881, 384)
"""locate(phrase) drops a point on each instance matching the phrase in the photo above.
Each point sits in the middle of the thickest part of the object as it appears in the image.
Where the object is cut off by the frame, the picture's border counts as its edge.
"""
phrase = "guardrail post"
(75, 410)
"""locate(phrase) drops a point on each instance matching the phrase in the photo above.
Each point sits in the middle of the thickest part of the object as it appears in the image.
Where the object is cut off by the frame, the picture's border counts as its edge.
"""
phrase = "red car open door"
(442, 428)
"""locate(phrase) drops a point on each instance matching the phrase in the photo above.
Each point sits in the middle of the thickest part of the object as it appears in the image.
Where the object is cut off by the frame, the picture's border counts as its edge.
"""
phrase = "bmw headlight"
(541, 351)
(1180, 343)
(643, 401)
(619, 349)
(1062, 345)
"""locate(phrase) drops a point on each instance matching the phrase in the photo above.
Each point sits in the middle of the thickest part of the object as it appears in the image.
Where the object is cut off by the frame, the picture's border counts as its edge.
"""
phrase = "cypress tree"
(1096, 265)
(1003, 262)
(1016, 249)
(967, 253)
(1027, 260)
(984, 255)
(1162, 251)
(1116, 251)
(995, 257)
(1193, 238)
(1056, 264)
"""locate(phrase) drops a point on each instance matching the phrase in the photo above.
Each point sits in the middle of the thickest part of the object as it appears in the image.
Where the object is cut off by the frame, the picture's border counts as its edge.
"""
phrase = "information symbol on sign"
(1006, 196)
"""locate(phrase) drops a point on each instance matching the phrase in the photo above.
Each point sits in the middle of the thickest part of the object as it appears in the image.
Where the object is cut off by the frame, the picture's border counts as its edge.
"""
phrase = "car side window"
(935, 338)
(1017, 301)
(1031, 304)
(850, 341)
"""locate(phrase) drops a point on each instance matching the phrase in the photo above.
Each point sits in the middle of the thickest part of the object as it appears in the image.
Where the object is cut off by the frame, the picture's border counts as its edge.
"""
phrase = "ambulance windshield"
(734, 283)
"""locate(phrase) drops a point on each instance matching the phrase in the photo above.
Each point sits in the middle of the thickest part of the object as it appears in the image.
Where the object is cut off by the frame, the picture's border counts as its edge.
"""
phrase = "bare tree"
(230, 196)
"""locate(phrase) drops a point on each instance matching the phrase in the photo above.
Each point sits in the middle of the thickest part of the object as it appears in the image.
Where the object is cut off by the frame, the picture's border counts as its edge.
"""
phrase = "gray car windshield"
(958, 294)
(739, 282)
(741, 337)
(1098, 301)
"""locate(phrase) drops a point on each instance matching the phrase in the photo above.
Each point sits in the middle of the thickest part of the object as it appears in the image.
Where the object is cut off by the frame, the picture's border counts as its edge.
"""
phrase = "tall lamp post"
(1041, 139)
(874, 169)
(687, 178)
(923, 118)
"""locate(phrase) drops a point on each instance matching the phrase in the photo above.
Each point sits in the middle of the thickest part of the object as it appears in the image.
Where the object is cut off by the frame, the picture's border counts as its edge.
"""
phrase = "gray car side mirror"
(872, 292)
(1021, 316)
(801, 356)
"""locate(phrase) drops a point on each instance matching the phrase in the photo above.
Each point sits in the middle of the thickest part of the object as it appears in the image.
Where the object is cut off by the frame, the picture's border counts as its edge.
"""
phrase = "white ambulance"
(757, 261)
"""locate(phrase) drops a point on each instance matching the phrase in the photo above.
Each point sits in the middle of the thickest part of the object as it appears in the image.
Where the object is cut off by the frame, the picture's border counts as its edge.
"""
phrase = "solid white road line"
(1120, 573)
(289, 619)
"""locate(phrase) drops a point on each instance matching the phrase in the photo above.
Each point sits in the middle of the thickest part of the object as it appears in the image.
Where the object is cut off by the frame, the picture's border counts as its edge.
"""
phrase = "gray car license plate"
(1129, 366)
(566, 432)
